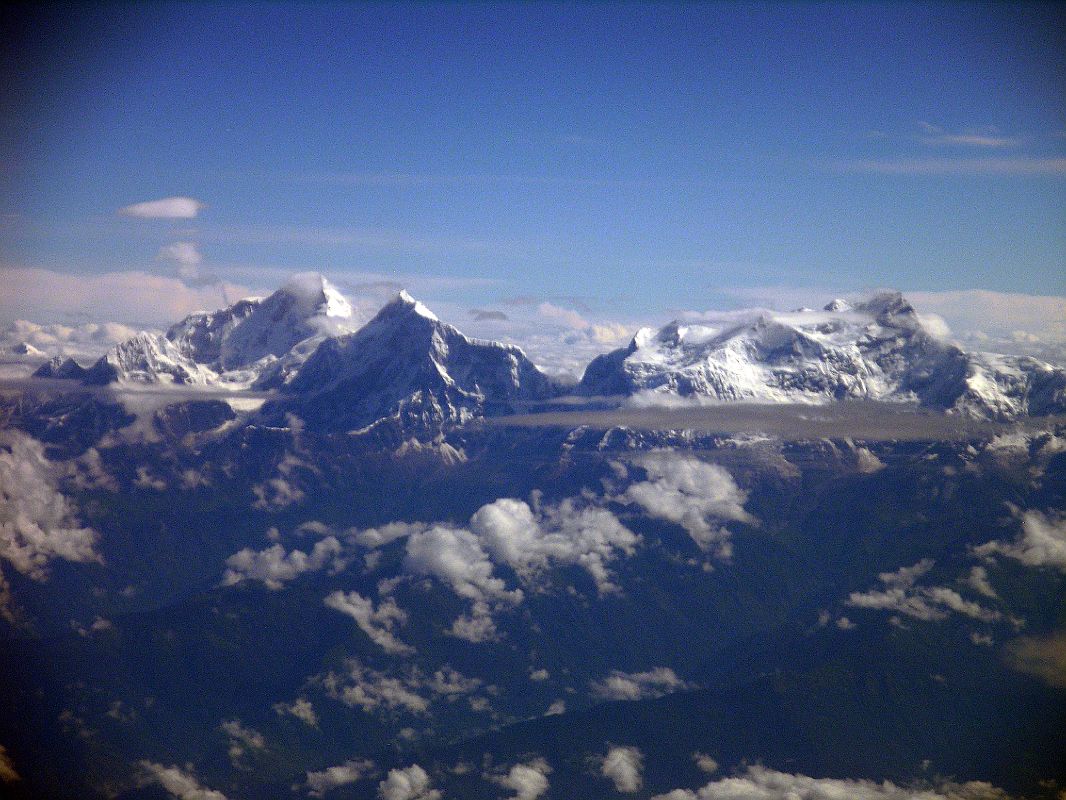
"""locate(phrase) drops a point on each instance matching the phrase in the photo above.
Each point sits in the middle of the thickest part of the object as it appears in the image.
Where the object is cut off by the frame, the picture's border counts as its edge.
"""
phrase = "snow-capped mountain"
(407, 366)
(253, 343)
(877, 350)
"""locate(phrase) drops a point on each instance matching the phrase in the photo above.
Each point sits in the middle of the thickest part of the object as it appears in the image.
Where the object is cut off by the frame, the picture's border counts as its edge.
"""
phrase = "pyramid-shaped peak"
(402, 304)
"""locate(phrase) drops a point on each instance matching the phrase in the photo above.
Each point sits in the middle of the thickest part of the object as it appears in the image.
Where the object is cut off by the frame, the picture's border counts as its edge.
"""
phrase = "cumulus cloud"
(282, 490)
(180, 783)
(384, 534)
(1042, 542)
(705, 763)
(569, 533)
(411, 690)
(456, 558)
(377, 623)
(241, 739)
(623, 766)
(37, 523)
(301, 708)
(275, 567)
(638, 685)
(164, 208)
(322, 781)
(760, 783)
(926, 603)
(134, 297)
(693, 494)
(528, 781)
(185, 257)
(410, 783)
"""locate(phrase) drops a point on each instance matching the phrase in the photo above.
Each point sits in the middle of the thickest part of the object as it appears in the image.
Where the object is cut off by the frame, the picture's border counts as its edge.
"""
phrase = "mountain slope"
(408, 366)
(877, 350)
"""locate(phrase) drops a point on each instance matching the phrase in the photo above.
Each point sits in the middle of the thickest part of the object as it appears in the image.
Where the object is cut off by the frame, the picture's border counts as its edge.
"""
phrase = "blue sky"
(628, 158)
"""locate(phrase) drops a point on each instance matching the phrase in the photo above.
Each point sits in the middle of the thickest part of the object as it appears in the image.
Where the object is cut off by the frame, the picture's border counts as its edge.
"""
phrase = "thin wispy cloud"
(1005, 167)
(165, 208)
(987, 137)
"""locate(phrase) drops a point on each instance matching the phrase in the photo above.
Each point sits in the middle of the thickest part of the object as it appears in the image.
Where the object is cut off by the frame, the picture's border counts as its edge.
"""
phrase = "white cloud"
(565, 316)
(184, 256)
(999, 314)
(241, 739)
(569, 533)
(1042, 542)
(132, 297)
(371, 690)
(322, 781)
(7, 767)
(377, 623)
(301, 708)
(456, 558)
(275, 567)
(557, 707)
(528, 781)
(164, 208)
(180, 783)
(623, 766)
(638, 685)
(281, 491)
(383, 534)
(411, 690)
(411, 783)
(705, 763)
(760, 783)
(978, 581)
(693, 494)
(987, 137)
(927, 603)
(37, 523)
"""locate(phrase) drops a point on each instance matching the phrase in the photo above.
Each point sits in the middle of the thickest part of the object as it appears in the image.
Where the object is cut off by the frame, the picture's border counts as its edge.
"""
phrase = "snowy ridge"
(407, 366)
(876, 350)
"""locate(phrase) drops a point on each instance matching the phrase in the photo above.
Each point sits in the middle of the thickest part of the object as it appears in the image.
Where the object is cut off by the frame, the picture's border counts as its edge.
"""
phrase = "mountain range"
(278, 551)
(407, 369)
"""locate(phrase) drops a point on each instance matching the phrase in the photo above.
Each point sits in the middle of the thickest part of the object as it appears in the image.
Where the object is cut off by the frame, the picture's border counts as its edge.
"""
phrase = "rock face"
(877, 350)
(407, 367)
(60, 367)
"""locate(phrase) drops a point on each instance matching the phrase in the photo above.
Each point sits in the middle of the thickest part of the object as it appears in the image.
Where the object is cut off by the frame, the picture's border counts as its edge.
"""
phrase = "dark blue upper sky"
(629, 154)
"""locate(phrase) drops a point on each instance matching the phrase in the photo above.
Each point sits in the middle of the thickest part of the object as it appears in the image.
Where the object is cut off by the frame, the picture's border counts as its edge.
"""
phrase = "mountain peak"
(314, 295)
(404, 303)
